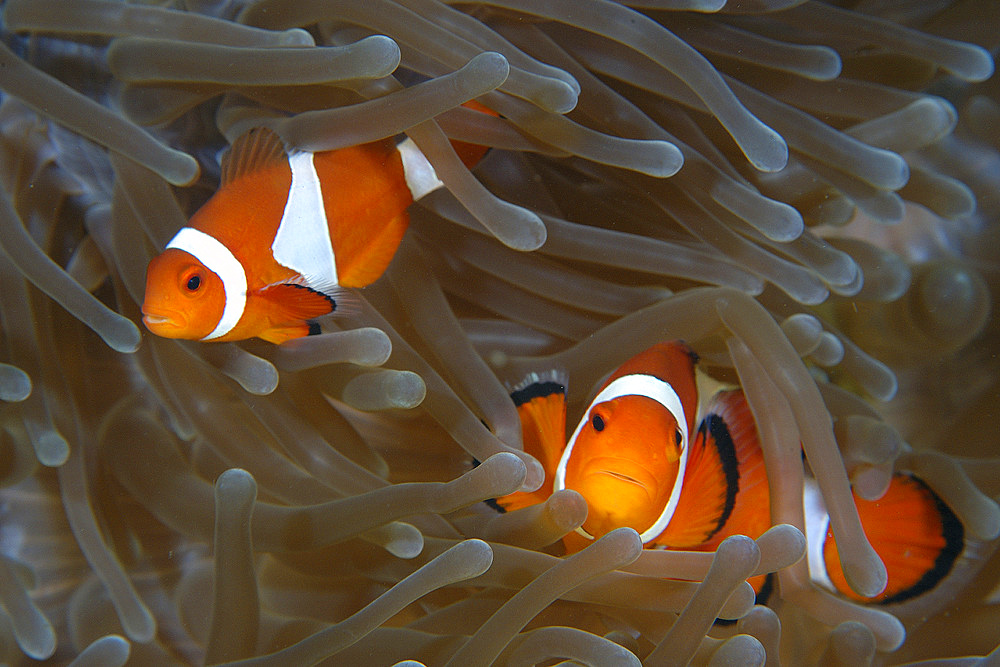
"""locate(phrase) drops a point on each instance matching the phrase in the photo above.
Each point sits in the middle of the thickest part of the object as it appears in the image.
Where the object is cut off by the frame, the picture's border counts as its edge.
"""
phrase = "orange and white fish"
(272, 248)
(638, 460)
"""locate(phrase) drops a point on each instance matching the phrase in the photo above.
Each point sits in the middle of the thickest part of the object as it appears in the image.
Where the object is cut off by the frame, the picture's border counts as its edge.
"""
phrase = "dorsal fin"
(254, 149)
(541, 406)
(725, 483)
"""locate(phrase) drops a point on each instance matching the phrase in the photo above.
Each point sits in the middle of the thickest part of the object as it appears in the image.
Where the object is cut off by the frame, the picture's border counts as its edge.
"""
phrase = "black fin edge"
(954, 542)
(537, 390)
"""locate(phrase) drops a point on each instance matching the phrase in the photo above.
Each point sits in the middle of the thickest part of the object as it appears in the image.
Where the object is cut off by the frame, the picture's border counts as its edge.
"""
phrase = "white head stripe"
(817, 523)
(420, 175)
(302, 242)
(664, 394)
(218, 259)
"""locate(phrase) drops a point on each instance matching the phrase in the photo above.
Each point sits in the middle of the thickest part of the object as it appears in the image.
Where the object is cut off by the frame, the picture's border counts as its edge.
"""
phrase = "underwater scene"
(503, 332)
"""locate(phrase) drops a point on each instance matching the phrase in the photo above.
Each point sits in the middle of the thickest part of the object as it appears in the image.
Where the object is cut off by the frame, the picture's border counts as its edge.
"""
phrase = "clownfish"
(270, 251)
(638, 460)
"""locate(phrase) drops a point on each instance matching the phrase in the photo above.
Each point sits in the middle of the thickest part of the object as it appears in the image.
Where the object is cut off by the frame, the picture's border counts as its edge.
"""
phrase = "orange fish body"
(272, 248)
(638, 460)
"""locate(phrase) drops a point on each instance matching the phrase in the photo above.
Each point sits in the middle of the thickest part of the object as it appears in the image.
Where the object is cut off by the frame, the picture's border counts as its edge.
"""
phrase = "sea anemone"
(803, 191)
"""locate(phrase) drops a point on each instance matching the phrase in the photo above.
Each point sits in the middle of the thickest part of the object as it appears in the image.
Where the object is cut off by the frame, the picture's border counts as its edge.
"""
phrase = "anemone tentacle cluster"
(804, 191)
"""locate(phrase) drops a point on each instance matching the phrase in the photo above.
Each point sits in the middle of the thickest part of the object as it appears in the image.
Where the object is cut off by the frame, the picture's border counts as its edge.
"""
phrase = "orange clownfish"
(638, 460)
(270, 250)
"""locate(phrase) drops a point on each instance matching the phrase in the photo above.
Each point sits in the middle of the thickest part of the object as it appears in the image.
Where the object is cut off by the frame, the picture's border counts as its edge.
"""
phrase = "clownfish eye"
(598, 423)
(192, 280)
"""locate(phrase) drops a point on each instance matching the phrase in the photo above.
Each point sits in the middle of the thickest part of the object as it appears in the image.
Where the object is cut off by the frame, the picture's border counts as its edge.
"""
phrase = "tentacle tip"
(739, 603)
(669, 159)
(17, 389)
(380, 347)
(559, 97)
(770, 154)
(141, 628)
(509, 471)
(740, 553)
(490, 68)
(567, 509)
(866, 576)
(890, 635)
(405, 541)
(126, 338)
(236, 482)
(52, 449)
(625, 543)
(980, 65)
(477, 556)
(988, 528)
(296, 37)
(534, 474)
(186, 170)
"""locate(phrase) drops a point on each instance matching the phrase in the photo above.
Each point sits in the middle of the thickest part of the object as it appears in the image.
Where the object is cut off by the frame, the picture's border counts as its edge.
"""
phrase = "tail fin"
(541, 405)
(915, 534)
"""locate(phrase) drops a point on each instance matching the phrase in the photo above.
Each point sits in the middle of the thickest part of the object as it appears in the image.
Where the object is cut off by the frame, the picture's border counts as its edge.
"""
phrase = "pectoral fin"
(293, 302)
(290, 308)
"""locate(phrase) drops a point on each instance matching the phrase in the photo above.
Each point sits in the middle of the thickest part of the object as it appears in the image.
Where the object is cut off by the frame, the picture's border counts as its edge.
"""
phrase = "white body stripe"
(420, 175)
(664, 394)
(302, 242)
(817, 523)
(218, 259)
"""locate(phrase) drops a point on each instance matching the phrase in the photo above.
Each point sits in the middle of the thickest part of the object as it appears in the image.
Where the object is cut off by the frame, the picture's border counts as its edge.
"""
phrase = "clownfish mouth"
(160, 321)
(621, 476)
(622, 469)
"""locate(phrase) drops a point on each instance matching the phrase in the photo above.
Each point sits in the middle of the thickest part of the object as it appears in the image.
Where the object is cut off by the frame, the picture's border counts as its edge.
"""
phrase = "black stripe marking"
(492, 502)
(954, 541)
(536, 390)
(314, 329)
(715, 426)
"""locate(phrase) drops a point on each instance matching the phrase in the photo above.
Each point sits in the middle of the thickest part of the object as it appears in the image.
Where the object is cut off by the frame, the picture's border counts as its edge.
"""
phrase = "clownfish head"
(626, 456)
(184, 299)
(624, 463)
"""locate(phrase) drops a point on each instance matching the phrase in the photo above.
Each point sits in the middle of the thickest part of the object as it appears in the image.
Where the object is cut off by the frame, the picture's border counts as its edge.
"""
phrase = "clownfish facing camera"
(638, 460)
(270, 251)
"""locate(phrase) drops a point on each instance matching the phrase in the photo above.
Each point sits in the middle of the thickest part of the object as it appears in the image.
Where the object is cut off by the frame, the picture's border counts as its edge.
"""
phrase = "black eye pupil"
(598, 423)
(193, 283)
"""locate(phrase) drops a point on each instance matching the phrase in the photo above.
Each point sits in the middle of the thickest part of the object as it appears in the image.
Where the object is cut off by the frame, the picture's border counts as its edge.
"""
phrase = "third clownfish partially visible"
(638, 460)
(286, 230)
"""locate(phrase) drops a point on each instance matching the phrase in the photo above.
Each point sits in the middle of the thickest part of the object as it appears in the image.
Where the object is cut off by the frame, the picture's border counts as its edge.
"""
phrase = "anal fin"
(278, 335)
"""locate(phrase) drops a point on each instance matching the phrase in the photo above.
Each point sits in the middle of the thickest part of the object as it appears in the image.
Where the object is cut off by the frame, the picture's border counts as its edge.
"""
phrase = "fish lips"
(162, 322)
